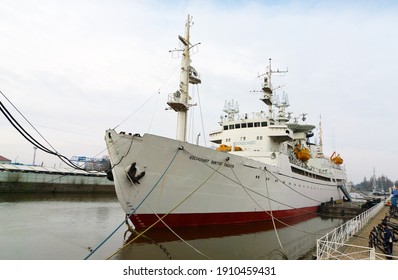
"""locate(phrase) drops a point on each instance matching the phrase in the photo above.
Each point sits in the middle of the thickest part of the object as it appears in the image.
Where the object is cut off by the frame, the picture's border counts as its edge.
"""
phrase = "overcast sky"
(77, 68)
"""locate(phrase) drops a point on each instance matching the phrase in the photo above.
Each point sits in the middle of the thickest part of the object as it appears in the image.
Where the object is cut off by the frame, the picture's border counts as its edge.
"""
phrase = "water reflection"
(66, 226)
(292, 239)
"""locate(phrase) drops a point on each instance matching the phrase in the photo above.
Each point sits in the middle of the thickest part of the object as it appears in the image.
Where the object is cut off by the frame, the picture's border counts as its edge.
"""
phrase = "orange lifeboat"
(226, 148)
(302, 154)
(336, 159)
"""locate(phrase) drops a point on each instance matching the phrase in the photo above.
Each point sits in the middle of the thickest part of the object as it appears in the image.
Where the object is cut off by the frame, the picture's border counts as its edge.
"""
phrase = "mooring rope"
(175, 233)
(269, 198)
(310, 198)
(165, 215)
(132, 212)
(269, 202)
(179, 237)
(272, 216)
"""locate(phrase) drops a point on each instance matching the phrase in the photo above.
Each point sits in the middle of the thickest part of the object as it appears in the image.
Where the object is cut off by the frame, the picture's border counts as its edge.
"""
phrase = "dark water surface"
(67, 226)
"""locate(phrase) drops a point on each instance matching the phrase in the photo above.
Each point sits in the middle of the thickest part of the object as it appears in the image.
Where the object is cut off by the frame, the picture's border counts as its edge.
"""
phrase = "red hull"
(198, 219)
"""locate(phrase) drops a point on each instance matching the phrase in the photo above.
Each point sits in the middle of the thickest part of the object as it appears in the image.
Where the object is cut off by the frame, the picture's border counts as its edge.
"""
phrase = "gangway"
(345, 192)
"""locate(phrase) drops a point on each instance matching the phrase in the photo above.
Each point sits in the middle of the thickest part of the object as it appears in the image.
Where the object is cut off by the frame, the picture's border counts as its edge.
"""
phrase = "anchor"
(132, 173)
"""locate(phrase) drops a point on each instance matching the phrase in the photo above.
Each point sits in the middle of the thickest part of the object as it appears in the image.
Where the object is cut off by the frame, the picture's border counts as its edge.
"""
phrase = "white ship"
(264, 168)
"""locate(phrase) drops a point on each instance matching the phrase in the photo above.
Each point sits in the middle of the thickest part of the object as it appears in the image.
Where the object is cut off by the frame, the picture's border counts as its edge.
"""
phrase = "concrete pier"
(341, 209)
(23, 187)
(361, 239)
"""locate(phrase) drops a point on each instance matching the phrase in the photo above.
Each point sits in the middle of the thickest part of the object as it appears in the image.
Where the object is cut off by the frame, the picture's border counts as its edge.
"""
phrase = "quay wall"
(23, 187)
(24, 178)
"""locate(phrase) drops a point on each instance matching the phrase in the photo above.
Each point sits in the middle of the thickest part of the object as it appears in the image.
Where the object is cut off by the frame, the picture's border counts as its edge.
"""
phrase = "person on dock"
(394, 197)
(388, 240)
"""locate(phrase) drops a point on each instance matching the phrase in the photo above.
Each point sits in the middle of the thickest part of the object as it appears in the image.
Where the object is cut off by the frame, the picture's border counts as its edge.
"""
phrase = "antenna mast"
(268, 89)
(179, 100)
(319, 153)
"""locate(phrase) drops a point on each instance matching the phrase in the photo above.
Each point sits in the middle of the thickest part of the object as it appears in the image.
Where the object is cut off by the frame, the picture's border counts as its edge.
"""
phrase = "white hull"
(194, 185)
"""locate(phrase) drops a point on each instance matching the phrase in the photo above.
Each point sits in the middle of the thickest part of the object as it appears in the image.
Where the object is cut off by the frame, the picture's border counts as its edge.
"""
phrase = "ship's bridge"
(239, 126)
(258, 133)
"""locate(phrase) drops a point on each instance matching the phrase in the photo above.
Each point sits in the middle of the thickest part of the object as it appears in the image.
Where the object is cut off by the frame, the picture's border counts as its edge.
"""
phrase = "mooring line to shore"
(165, 215)
(272, 216)
(175, 233)
(132, 212)
(246, 189)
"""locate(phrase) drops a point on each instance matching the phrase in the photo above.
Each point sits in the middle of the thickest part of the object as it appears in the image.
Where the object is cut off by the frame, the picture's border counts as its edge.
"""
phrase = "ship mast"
(267, 88)
(319, 153)
(179, 100)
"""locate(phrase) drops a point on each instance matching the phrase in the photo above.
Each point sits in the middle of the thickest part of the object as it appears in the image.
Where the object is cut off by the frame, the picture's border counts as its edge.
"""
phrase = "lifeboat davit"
(336, 159)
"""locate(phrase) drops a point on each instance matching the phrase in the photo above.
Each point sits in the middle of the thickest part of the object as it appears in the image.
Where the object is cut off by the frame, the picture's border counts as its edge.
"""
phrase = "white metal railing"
(327, 246)
(359, 253)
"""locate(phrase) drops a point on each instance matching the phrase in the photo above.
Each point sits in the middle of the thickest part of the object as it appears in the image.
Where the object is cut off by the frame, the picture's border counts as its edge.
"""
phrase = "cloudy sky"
(77, 68)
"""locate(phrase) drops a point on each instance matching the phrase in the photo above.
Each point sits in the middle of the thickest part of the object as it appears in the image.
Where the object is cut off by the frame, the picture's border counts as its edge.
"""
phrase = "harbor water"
(86, 226)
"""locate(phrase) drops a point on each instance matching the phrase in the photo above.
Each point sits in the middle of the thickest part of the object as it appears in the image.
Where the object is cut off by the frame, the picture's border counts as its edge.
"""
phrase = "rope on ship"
(165, 215)
(310, 198)
(201, 116)
(157, 93)
(269, 198)
(269, 202)
(164, 249)
(270, 212)
(253, 191)
(267, 212)
(272, 217)
(175, 233)
(132, 212)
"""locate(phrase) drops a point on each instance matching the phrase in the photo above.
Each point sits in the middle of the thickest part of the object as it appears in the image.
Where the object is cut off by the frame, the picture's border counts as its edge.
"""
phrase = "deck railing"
(328, 245)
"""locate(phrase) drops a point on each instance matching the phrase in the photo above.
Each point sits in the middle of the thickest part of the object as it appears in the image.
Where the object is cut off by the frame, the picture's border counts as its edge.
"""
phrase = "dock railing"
(327, 246)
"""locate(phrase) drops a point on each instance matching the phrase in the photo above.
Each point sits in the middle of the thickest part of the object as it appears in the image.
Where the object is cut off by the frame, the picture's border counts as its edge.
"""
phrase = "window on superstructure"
(231, 126)
(259, 138)
(250, 124)
(263, 124)
(244, 125)
(256, 124)
(243, 138)
(225, 127)
(309, 174)
(237, 125)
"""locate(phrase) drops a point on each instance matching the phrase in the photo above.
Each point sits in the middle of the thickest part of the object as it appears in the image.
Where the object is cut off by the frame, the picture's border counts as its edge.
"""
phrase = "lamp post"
(34, 154)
